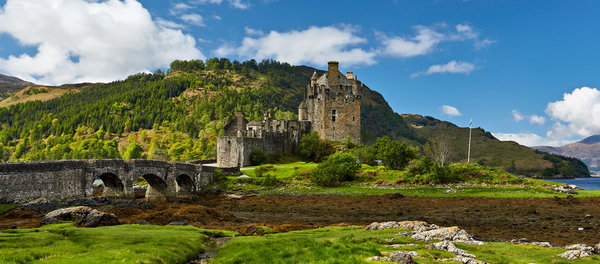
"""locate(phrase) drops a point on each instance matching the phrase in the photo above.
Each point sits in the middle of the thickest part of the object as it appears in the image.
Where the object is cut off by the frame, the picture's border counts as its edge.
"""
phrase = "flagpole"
(469, 149)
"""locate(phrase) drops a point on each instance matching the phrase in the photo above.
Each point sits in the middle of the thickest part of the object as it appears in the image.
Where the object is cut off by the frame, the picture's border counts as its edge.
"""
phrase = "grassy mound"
(64, 243)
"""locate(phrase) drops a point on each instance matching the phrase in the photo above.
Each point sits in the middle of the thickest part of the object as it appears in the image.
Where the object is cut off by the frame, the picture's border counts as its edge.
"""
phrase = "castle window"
(352, 119)
(333, 115)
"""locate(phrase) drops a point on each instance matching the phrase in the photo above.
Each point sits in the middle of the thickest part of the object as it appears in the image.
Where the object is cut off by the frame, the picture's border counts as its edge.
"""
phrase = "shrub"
(268, 180)
(312, 148)
(338, 168)
(260, 170)
(424, 170)
(394, 154)
(258, 157)
(365, 154)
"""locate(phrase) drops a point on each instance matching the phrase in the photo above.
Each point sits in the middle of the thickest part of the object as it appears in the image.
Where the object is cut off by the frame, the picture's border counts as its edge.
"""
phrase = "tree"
(394, 154)
(133, 151)
(438, 148)
(338, 168)
(312, 148)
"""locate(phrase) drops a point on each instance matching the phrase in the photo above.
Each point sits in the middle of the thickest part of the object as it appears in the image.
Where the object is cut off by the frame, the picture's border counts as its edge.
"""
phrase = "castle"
(331, 107)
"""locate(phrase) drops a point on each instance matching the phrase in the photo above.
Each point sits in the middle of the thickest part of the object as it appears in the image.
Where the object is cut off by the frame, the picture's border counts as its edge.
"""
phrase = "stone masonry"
(25, 181)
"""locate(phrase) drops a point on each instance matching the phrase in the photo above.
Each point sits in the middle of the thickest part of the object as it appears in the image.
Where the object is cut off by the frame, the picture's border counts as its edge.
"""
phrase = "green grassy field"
(355, 245)
(64, 243)
(6, 207)
(292, 180)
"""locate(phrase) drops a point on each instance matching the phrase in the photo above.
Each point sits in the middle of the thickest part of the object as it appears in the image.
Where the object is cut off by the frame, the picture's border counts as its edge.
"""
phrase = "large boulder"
(70, 214)
(403, 257)
(82, 215)
(417, 226)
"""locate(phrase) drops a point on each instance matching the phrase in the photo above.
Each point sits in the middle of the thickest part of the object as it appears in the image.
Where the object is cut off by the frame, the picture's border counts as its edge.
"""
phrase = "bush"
(394, 154)
(424, 170)
(338, 168)
(260, 170)
(365, 154)
(258, 157)
(312, 148)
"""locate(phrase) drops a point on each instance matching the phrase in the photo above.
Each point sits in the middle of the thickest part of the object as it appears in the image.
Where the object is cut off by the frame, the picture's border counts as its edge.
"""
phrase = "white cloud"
(577, 114)
(168, 24)
(193, 19)
(422, 43)
(253, 32)
(450, 110)
(216, 17)
(315, 45)
(110, 39)
(178, 8)
(538, 120)
(450, 67)
(427, 39)
(532, 139)
(517, 116)
(239, 4)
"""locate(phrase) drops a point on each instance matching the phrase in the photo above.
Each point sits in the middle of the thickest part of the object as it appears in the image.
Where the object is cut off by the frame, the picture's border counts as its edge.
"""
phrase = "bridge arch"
(184, 185)
(157, 187)
(113, 186)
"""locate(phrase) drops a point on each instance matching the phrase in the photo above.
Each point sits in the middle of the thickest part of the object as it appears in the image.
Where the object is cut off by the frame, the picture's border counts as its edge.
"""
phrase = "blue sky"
(517, 68)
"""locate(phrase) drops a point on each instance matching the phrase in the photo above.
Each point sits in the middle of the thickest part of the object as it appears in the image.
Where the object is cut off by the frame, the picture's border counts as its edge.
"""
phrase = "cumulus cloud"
(450, 110)
(450, 67)
(577, 114)
(80, 40)
(538, 120)
(253, 32)
(427, 39)
(517, 116)
(315, 45)
(193, 19)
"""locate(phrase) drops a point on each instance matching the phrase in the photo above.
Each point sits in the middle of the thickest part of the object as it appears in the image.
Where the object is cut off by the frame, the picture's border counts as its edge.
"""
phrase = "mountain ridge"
(587, 150)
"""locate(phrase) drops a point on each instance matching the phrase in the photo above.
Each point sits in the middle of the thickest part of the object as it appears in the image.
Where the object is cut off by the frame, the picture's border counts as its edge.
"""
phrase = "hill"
(489, 151)
(41, 93)
(588, 150)
(9, 85)
(179, 114)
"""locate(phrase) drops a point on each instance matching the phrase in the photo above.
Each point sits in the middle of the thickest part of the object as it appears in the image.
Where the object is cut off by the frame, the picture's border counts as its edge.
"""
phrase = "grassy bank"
(65, 243)
(355, 245)
(6, 207)
(292, 179)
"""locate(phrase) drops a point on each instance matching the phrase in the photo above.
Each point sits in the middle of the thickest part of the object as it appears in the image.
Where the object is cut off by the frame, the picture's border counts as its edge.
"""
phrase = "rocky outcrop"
(84, 216)
(577, 251)
(428, 232)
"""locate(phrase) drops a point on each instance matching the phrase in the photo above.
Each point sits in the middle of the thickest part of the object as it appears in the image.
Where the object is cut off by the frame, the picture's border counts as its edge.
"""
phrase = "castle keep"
(331, 107)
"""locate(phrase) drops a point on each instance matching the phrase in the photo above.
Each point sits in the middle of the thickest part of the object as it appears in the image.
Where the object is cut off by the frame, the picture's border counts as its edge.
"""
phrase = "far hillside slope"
(489, 151)
(42, 93)
(588, 150)
(9, 85)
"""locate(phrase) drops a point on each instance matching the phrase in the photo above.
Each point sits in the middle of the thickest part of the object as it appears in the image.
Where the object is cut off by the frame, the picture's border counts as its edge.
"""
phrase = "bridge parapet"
(25, 181)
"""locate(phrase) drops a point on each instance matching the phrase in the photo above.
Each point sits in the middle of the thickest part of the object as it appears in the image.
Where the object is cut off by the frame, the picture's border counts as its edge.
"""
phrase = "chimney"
(350, 75)
(333, 74)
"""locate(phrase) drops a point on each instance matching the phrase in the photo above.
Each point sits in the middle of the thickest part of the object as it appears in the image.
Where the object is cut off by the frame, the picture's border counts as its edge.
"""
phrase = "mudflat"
(560, 221)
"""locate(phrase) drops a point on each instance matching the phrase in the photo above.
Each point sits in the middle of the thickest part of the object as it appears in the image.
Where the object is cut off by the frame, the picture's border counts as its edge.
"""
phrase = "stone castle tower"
(332, 103)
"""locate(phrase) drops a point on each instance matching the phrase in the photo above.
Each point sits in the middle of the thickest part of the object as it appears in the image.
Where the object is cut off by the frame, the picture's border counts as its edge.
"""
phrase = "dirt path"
(554, 220)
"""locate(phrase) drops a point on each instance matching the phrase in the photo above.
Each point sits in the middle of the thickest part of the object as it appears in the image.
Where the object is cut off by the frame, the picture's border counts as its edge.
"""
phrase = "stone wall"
(25, 181)
(235, 151)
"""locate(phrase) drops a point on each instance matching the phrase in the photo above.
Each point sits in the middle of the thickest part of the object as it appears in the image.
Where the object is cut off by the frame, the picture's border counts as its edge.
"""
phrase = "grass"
(354, 245)
(6, 207)
(65, 243)
(293, 181)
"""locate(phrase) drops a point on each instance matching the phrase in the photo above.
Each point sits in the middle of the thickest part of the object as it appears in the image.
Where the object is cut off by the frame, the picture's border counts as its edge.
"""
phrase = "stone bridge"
(25, 181)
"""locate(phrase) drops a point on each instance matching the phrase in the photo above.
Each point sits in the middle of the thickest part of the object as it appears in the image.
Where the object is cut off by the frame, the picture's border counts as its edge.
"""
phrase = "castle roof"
(255, 123)
(342, 80)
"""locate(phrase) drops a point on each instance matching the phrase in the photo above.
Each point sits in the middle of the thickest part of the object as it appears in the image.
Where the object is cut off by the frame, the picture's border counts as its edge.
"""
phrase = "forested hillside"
(175, 115)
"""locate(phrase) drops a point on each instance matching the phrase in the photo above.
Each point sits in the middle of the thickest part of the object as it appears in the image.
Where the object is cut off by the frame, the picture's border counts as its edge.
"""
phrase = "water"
(592, 183)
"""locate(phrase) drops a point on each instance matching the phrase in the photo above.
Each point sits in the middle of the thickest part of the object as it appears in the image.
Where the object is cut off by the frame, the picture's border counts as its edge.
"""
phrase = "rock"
(579, 247)
(573, 254)
(450, 247)
(97, 218)
(179, 223)
(445, 233)
(82, 215)
(379, 258)
(244, 176)
(401, 245)
(466, 260)
(597, 249)
(141, 222)
(404, 257)
(74, 214)
(411, 225)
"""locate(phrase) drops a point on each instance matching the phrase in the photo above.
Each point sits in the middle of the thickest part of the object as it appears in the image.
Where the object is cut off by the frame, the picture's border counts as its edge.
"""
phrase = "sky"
(524, 70)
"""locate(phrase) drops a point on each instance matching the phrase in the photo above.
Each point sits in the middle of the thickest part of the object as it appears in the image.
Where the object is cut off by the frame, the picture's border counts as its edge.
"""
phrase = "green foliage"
(268, 180)
(365, 154)
(313, 148)
(65, 243)
(471, 172)
(258, 157)
(394, 154)
(134, 151)
(260, 170)
(338, 168)
(34, 90)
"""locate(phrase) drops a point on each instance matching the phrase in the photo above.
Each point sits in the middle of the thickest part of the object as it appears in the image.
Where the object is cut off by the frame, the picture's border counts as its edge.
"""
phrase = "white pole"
(469, 149)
